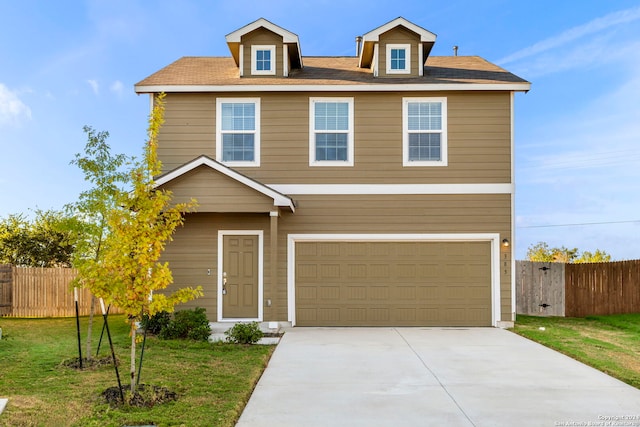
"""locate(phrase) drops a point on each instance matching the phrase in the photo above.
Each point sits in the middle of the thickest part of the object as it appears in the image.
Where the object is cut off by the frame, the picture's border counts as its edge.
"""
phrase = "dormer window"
(398, 59)
(263, 60)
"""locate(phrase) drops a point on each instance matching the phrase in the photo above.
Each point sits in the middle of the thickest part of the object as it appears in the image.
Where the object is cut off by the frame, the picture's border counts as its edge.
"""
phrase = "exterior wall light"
(505, 243)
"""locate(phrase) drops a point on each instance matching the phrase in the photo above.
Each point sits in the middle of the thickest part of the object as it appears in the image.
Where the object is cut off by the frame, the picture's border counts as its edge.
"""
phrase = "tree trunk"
(133, 356)
(90, 325)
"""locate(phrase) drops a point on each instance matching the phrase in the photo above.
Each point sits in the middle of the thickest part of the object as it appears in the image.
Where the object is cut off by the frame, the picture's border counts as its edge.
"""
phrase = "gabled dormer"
(398, 48)
(263, 49)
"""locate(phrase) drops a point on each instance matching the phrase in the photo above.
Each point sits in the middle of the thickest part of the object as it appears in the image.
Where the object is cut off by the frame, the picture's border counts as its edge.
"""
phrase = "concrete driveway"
(431, 377)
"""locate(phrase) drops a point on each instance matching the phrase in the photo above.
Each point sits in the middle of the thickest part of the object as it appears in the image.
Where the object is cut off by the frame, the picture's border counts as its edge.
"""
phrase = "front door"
(240, 276)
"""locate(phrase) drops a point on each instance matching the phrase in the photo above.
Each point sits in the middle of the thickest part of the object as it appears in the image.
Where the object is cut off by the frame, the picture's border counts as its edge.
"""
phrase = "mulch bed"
(89, 363)
(145, 396)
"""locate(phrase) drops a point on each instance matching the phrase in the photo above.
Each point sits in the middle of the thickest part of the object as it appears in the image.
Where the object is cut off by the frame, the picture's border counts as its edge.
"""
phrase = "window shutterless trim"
(272, 60)
(443, 133)
(255, 132)
(407, 58)
(349, 132)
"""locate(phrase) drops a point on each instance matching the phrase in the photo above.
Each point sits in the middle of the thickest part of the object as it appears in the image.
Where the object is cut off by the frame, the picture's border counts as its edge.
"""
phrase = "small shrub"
(189, 324)
(155, 323)
(244, 333)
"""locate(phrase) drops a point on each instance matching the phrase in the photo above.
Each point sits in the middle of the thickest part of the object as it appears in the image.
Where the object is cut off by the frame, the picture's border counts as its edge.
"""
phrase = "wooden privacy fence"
(577, 290)
(603, 288)
(40, 292)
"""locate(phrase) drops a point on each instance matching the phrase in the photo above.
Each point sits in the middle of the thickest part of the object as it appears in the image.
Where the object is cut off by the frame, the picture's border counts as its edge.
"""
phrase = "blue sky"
(67, 64)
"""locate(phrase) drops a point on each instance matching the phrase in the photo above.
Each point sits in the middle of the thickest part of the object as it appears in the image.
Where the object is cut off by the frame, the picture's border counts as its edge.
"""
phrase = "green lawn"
(213, 381)
(608, 343)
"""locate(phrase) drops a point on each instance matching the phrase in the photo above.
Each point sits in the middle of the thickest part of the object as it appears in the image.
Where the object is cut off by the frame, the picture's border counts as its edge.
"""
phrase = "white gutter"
(427, 87)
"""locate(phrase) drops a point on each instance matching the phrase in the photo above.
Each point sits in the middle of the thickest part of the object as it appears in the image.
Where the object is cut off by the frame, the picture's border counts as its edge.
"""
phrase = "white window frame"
(407, 57)
(254, 57)
(443, 133)
(256, 131)
(313, 132)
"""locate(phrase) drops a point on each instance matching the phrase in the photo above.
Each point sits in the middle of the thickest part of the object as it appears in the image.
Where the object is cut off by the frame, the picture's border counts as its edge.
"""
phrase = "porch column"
(273, 291)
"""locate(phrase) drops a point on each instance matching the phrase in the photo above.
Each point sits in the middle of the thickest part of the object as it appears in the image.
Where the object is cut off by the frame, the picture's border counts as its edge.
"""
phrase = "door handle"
(224, 283)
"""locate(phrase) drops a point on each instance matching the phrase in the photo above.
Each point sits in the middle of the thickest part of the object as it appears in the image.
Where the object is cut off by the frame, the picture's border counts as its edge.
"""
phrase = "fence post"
(6, 284)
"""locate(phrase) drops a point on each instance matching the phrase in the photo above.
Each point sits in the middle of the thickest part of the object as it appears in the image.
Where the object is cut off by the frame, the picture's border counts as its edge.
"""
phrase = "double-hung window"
(263, 60)
(398, 59)
(424, 133)
(238, 131)
(331, 132)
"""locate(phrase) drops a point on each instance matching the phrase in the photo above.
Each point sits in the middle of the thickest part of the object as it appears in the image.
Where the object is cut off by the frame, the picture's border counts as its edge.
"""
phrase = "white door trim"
(260, 234)
(493, 238)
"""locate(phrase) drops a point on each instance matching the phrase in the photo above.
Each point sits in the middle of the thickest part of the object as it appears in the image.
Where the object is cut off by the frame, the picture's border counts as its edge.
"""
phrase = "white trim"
(364, 87)
(260, 234)
(420, 61)
(328, 189)
(443, 133)
(256, 131)
(374, 35)
(313, 132)
(236, 36)
(241, 60)
(285, 60)
(494, 238)
(278, 198)
(374, 62)
(272, 60)
(512, 248)
(407, 59)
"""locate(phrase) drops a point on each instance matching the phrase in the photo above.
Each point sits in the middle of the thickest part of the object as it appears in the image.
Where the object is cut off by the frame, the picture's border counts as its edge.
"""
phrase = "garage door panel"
(357, 271)
(379, 271)
(393, 283)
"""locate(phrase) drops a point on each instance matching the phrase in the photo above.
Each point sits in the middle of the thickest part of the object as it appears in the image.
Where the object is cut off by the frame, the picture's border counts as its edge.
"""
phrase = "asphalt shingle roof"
(222, 71)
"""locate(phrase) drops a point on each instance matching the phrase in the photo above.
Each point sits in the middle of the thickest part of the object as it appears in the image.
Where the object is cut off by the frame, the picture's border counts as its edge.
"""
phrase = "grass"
(608, 343)
(213, 381)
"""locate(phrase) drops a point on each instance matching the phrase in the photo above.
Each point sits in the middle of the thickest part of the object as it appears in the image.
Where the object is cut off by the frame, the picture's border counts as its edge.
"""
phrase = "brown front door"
(240, 277)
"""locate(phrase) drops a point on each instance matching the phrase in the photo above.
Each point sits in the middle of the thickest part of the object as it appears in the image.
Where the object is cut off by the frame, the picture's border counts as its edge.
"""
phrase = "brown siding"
(194, 249)
(216, 192)
(398, 35)
(375, 214)
(262, 36)
(189, 129)
(479, 138)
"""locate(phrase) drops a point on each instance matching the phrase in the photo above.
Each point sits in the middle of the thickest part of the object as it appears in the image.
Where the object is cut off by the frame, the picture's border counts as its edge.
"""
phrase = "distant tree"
(108, 177)
(597, 256)
(541, 252)
(139, 225)
(47, 241)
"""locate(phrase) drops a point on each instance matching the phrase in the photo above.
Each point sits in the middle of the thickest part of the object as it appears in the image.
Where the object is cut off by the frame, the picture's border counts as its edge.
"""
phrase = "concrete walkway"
(431, 377)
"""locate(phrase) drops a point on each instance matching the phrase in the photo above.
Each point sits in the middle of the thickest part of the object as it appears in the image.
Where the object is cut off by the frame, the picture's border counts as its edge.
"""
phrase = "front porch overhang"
(219, 188)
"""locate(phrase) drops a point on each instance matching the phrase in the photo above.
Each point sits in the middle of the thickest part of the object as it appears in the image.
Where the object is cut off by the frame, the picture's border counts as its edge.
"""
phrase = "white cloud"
(602, 136)
(611, 39)
(117, 87)
(595, 26)
(12, 110)
(94, 86)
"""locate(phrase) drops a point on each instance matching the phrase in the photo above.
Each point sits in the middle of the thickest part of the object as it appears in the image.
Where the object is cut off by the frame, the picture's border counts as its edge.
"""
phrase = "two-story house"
(370, 190)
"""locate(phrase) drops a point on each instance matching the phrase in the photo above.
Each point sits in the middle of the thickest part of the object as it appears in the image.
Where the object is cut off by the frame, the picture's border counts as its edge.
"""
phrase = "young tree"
(108, 176)
(139, 226)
